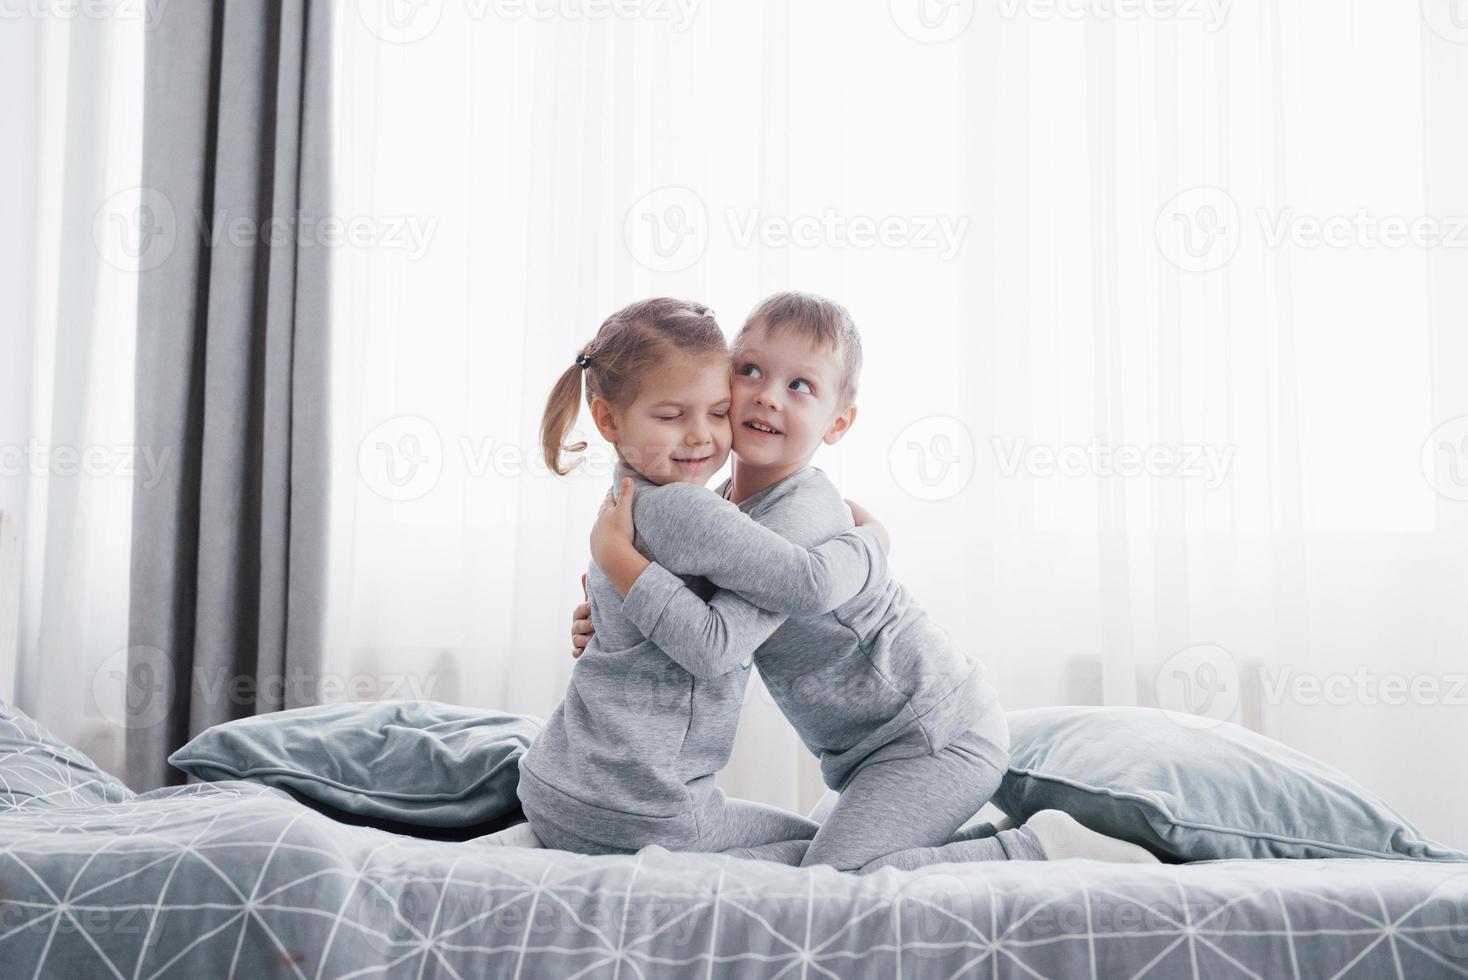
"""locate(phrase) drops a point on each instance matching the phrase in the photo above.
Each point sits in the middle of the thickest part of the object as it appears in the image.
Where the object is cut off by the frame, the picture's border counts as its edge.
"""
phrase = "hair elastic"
(583, 360)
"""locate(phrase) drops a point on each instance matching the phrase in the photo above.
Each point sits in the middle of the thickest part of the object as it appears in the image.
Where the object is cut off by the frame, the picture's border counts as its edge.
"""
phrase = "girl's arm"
(693, 531)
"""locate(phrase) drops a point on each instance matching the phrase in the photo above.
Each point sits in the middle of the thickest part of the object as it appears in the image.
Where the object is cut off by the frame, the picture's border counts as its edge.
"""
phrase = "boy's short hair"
(825, 322)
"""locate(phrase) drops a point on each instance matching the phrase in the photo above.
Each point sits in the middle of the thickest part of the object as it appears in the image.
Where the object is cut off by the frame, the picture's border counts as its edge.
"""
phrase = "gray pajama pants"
(905, 813)
(901, 813)
(737, 827)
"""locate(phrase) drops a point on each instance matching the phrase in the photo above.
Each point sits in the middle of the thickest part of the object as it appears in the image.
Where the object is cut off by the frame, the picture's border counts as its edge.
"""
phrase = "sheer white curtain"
(1159, 404)
(69, 177)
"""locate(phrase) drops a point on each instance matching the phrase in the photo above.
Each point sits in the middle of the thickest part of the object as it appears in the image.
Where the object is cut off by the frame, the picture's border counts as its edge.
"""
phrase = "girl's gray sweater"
(628, 758)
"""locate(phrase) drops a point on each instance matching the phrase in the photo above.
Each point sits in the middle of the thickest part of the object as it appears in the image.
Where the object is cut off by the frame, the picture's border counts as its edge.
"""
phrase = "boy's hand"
(864, 518)
(581, 625)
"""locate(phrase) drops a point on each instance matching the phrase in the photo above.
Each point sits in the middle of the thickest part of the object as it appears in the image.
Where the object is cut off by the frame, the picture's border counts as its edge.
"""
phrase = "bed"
(239, 879)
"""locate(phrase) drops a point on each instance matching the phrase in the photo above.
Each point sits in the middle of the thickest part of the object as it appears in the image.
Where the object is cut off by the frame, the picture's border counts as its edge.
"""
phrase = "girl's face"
(677, 431)
(788, 384)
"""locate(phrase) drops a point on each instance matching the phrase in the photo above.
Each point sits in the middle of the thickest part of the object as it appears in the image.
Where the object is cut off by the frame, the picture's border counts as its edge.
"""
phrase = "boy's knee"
(814, 857)
(908, 860)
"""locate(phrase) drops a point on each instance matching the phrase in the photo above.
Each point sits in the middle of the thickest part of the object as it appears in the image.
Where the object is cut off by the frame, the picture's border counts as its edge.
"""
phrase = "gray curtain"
(228, 549)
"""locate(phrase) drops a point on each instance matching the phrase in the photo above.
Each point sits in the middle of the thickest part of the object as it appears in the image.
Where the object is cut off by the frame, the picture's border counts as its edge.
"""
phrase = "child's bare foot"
(1061, 837)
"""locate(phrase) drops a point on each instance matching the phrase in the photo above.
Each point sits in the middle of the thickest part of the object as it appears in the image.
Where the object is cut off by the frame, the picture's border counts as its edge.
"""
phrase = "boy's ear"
(840, 426)
(606, 421)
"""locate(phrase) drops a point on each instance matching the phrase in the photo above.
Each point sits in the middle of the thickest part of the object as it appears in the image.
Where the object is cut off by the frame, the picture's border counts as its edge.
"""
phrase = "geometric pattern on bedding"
(237, 879)
(234, 879)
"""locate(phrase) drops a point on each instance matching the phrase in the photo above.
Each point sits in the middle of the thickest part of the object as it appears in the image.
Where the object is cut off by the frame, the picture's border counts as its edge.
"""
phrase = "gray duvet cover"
(235, 879)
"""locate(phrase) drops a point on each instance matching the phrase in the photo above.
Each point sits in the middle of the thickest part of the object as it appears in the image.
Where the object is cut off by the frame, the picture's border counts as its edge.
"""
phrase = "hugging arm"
(765, 578)
(706, 639)
(694, 532)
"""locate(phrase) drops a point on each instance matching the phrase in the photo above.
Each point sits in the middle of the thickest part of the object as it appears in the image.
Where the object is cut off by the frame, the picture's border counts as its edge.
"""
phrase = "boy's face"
(785, 382)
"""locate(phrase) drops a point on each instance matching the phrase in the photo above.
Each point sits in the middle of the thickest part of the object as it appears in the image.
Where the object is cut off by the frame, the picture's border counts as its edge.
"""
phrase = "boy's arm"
(693, 531)
(707, 639)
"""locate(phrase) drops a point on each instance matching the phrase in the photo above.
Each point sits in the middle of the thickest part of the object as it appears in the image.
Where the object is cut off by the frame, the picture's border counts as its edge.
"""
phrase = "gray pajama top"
(628, 757)
(872, 679)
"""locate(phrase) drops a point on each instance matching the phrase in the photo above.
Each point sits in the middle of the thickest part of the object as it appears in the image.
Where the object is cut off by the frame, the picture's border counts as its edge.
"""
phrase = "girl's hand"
(613, 527)
(611, 541)
(864, 518)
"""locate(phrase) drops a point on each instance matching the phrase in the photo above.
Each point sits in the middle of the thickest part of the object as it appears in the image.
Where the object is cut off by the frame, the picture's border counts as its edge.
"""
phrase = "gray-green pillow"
(416, 763)
(38, 771)
(1197, 794)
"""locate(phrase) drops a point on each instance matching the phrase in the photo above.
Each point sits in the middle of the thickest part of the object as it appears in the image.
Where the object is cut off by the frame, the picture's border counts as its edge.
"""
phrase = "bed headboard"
(9, 603)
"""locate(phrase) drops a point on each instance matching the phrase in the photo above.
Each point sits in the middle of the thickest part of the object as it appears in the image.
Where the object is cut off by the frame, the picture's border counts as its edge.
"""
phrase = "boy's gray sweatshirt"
(628, 757)
(870, 680)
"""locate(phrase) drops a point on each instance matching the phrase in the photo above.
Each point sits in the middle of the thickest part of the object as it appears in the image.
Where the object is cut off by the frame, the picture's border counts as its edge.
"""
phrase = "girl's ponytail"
(561, 411)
